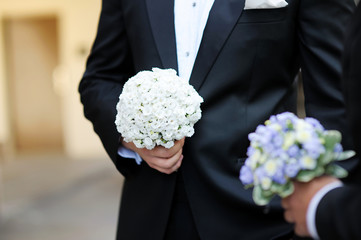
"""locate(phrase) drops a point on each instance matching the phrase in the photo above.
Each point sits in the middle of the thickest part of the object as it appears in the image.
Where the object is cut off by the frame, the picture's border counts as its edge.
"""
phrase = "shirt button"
(194, 4)
(187, 54)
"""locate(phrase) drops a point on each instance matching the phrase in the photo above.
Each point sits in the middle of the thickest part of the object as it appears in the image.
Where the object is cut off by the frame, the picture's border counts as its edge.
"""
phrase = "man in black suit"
(244, 68)
(317, 208)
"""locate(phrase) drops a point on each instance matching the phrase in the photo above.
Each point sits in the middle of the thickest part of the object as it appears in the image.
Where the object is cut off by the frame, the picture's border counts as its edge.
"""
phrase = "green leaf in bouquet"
(261, 197)
(336, 171)
(288, 189)
(345, 155)
(305, 176)
(277, 188)
(326, 157)
(290, 125)
(319, 170)
(331, 138)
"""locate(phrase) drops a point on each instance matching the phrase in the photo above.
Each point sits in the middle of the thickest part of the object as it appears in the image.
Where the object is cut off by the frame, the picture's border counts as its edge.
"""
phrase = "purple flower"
(246, 175)
(279, 176)
(277, 139)
(315, 123)
(314, 148)
(268, 147)
(273, 119)
(261, 130)
(253, 137)
(293, 151)
(250, 151)
(292, 169)
(285, 118)
(260, 173)
(277, 153)
(266, 136)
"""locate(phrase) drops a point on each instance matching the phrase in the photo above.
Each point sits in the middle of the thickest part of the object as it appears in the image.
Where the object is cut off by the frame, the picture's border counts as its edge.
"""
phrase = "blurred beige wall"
(76, 22)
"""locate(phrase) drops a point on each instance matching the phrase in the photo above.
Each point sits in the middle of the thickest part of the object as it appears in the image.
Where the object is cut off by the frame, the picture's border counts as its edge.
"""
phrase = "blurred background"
(56, 181)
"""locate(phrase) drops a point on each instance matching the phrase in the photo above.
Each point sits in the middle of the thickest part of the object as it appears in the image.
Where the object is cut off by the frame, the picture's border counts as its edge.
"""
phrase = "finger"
(129, 145)
(158, 152)
(179, 163)
(298, 185)
(162, 170)
(168, 163)
(168, 170)
(285, 203)
(163, 152)
(164, 165)
(288, 216)
(179, 143)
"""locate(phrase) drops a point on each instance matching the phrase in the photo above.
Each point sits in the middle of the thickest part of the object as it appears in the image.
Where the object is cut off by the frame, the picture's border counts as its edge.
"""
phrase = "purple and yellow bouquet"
(288, 148)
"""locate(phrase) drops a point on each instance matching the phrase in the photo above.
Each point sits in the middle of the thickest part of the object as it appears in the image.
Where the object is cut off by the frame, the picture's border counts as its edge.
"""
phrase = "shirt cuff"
(127, 153)
(312, 207)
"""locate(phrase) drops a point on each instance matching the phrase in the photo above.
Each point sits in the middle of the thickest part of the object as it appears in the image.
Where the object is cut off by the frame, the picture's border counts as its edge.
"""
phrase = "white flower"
(263, 158)
(270, 167)
(156, 108)
(307, 162)
(275, 126)
(253, 159)
(303, 131)
(289, 140)
(266, 183)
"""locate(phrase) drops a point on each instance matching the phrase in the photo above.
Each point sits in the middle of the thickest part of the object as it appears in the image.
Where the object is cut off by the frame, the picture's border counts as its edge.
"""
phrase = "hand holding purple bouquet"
(288, 148)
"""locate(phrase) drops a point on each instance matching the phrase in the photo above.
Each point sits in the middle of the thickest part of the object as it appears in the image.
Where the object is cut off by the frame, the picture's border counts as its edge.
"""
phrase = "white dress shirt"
(190, 18)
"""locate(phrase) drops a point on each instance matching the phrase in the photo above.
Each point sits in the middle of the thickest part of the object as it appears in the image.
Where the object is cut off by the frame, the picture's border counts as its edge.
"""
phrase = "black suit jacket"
(245, 71)
(339, 213)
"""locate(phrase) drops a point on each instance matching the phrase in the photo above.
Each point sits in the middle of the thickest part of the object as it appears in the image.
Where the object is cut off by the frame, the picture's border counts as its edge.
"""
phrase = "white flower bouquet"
(288, 148)
(157, 108)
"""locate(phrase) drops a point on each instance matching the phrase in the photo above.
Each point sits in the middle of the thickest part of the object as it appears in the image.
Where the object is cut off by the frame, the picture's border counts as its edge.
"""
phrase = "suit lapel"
(221, 21)
(161, 17)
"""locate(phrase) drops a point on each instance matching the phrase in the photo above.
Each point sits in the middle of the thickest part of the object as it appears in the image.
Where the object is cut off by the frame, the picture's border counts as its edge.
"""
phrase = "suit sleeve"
(352, 80)
(321, 36)
(109, 65)
(338, 215)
